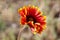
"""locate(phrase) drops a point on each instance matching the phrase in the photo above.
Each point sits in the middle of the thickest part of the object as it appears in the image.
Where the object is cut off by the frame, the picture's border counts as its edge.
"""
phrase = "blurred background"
(9, 20)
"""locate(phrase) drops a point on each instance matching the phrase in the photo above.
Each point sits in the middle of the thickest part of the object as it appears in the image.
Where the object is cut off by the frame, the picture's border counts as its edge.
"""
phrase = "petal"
(37, 13)
(43, 23)
(40, 19)
(22, 13)
(30, 23)
(25, 10)
(23, 20)
(41, 29)
(32, 11)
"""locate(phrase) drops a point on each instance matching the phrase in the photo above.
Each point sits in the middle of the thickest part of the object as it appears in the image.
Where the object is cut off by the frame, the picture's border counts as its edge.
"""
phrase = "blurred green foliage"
(2, 25)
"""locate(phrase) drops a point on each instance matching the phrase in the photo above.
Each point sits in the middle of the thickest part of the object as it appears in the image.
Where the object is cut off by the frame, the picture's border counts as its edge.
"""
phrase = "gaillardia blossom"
(33, 17)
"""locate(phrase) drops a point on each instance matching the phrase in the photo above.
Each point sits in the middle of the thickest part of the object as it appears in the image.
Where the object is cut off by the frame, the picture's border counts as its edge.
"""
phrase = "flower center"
(29, 18)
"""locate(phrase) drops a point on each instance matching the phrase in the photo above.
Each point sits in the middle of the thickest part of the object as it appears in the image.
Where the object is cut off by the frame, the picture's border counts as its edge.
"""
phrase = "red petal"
(24, 11)
(43, 23)
(32, 11)
(30, 23)
(23, 20)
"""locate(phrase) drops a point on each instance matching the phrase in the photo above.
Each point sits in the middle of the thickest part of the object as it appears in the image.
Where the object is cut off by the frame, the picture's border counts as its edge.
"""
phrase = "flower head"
(33, 17)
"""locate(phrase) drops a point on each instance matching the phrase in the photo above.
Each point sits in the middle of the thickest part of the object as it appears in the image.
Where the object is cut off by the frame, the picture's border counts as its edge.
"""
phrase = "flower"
(33, 17)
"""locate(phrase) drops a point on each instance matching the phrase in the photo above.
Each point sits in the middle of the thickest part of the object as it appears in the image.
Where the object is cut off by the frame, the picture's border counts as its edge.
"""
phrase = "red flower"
(32, 16)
